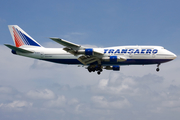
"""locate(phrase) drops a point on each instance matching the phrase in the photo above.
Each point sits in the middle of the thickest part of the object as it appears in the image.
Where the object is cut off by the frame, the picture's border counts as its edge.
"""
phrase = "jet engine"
(114, 59)
(114, 68)
(13, 51)
(88, 51)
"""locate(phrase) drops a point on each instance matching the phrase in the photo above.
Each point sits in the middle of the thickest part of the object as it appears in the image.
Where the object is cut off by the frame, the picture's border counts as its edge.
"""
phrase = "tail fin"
(21, 38)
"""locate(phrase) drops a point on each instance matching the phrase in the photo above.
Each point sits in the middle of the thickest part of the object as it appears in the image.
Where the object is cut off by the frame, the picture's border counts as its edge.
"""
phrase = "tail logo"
(22, 39)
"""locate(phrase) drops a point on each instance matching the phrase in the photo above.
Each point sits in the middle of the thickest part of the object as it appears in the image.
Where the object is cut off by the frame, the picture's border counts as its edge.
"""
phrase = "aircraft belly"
(70, 59)
(64, 61)
(139, 62)
(127, 62)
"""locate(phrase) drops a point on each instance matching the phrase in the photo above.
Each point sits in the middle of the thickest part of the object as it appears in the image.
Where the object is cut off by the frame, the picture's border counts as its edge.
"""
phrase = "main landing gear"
(94, 68)
(157, 69)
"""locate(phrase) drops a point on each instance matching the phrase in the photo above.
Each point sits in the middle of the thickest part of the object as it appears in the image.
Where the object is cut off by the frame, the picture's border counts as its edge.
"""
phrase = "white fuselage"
(133, 54)
(95, 59)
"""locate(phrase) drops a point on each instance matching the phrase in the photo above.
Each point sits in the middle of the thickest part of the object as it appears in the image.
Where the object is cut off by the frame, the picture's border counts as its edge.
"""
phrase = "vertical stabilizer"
(21, 38)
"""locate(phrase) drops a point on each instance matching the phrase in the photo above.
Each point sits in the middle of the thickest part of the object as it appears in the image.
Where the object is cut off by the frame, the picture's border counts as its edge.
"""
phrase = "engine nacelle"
(88, 51)
(114, 59)
(13, 51)
(114, 68)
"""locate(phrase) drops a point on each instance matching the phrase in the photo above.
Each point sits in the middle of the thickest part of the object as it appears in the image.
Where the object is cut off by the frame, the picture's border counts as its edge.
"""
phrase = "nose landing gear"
(157, 69)
(98, 72)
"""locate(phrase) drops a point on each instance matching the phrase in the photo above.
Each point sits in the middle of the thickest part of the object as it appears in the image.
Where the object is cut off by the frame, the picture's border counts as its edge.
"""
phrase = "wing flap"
(87, 60)
(70, 50)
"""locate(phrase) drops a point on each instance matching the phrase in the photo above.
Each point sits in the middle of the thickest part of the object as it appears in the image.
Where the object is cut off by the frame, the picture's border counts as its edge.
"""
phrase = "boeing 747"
(96, 59)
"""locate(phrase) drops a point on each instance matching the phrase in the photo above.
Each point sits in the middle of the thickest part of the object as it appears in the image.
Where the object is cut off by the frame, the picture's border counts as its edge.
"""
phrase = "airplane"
(95, 59)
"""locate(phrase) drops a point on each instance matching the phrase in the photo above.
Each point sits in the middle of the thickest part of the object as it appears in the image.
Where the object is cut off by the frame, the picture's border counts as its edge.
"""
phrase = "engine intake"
(13, 51)
(116, 68)
(113, 59)
(89, 51)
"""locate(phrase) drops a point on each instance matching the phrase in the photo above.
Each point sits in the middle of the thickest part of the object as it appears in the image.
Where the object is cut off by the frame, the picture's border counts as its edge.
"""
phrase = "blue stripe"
(127, 62)
(26, 39)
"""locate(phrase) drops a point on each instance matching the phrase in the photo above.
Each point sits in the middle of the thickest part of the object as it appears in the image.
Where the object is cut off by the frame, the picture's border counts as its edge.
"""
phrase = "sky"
(35, 89)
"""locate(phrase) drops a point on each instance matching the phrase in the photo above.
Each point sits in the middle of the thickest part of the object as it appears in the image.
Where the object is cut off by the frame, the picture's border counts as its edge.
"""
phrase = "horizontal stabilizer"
(18, 49)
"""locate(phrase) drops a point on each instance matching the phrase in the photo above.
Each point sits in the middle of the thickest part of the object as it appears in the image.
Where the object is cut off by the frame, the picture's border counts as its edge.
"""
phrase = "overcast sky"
(34, 89)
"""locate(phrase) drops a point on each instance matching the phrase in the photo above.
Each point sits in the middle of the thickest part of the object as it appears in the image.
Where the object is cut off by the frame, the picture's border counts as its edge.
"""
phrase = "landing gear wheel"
(89, 70)
(157, 69)
(98, 72)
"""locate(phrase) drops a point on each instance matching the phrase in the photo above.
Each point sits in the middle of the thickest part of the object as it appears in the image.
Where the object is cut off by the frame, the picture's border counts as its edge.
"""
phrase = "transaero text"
(130, 51)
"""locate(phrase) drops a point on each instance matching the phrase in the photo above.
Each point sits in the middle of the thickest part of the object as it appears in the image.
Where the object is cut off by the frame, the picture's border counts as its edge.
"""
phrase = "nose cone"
(171, 55)
(174, 56)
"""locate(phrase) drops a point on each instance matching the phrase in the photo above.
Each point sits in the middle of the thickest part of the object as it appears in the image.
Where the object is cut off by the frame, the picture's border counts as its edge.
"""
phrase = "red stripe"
(17, 39)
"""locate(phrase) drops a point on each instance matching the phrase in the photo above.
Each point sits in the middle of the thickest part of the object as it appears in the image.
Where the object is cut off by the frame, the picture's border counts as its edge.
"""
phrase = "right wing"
(66, 43)
(76, 50)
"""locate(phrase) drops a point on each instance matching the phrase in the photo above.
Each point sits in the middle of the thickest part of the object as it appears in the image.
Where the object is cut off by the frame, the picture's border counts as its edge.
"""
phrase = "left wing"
(88, 55)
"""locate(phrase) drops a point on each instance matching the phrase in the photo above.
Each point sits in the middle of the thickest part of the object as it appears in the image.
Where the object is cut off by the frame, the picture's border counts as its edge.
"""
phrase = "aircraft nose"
(175, 56)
